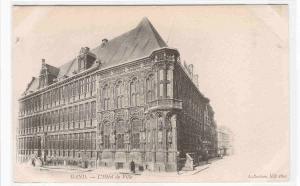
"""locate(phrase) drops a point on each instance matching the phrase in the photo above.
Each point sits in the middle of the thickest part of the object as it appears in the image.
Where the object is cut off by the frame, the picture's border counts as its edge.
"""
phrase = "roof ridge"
(146, 22)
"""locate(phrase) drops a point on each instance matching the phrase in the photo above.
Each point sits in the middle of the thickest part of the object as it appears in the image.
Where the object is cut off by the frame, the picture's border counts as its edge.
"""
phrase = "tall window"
(79, 87)
(81, 112)
(106, 97)
(120, 130)
(65, 141)
(134, 92)
(76, 146)
(106, 141)
(87, 111)
(106, 131)
(75, 89)
(135, 140)
(76, 116)
(87, 140)
(150, 88)
(81, 141)
(93, 84)
(161, 82)
(119, 95)
(70, 141)
(70, 114)
(93, 139)
(168, 82)
(87, 84)
(93, 109)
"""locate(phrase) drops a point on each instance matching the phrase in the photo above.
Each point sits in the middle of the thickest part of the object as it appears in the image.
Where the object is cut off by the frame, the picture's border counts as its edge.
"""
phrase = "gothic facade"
(129, 99)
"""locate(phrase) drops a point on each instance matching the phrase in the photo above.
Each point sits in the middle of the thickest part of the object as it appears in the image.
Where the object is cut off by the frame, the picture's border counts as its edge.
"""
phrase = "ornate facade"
(129, 99)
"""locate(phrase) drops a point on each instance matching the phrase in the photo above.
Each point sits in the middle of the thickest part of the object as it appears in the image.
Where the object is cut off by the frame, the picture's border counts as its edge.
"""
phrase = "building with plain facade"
(129, 99)
(225, 141)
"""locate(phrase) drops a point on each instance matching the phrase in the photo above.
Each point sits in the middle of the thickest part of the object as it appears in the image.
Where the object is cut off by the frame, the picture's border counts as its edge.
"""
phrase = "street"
(230, 168)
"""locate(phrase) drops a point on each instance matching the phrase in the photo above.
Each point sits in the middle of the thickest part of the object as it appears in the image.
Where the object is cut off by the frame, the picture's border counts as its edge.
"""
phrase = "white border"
(6, 177)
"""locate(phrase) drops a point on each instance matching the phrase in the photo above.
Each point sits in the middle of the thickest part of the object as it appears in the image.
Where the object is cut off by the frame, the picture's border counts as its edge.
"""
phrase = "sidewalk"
(65, 168)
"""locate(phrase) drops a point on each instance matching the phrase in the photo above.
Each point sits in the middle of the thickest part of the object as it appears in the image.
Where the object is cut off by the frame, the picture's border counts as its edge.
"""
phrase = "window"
(106, 141)
(87, 140)
(136, 140)
(76, 146)
(169, 90)
(87, 83)
(56, 142)
(70, 141)
(81, 112)
(106, 131)
(134, 92)
(161, 89)
(70, 114)
(161, 74)
(119, 91)
(150, 88)
(93, 139)
(120, 141)
(93, 84)
(120, 130)
(81, 141)
(87, 111)
(93, 109)
(76, 113)
(61, 142)
(136, 126)
(65, 115)
(169, 79)
(75, 91)
(83, 86)
(106, 97)
(79, 87)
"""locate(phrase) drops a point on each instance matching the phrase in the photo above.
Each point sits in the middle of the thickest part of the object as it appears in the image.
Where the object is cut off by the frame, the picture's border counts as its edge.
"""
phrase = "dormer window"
(85, 59)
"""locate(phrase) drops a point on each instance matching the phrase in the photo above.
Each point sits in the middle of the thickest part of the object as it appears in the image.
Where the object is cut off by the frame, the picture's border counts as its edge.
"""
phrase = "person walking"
(132, 166)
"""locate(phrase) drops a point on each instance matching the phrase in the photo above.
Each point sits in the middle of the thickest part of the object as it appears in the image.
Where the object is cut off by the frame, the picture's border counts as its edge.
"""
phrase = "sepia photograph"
(186, 93)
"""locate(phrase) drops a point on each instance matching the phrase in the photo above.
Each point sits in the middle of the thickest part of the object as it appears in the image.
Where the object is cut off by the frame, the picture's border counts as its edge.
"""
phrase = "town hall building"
(130, 99)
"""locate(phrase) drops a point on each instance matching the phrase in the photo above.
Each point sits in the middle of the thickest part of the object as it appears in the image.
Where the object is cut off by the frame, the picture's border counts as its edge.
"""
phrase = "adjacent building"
(129, 99)
(225, 140)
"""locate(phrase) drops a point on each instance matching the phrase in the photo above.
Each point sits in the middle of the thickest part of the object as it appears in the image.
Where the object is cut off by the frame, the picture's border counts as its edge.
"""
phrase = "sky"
(239, 52)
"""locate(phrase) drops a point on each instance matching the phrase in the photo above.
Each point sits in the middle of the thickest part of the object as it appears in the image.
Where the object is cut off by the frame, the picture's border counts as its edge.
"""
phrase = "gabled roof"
(137, 43)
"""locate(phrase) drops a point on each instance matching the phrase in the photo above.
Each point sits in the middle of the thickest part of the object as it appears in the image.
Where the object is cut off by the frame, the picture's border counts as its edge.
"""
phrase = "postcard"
(196, 93)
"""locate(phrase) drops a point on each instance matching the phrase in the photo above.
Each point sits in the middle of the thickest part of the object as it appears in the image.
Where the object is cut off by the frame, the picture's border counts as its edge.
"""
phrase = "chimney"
(191, 70)
(43, 61)
(84, 50)
(104, 42)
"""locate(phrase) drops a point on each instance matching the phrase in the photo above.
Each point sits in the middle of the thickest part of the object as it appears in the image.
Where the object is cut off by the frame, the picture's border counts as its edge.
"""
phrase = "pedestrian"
(132, 166)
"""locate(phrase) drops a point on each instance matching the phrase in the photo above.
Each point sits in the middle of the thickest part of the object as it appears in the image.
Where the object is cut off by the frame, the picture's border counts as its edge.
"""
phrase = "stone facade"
(148, 110)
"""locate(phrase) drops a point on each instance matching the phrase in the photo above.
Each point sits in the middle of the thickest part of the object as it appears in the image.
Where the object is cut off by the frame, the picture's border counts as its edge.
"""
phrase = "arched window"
(134, 92)
(150, 87)
(106, 135)
(120, 131)
(119, 91)
(135, 140)
(106, 97)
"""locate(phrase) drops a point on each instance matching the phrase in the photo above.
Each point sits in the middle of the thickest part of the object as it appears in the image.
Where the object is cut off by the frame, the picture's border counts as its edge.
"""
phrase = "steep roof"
(135, 44)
